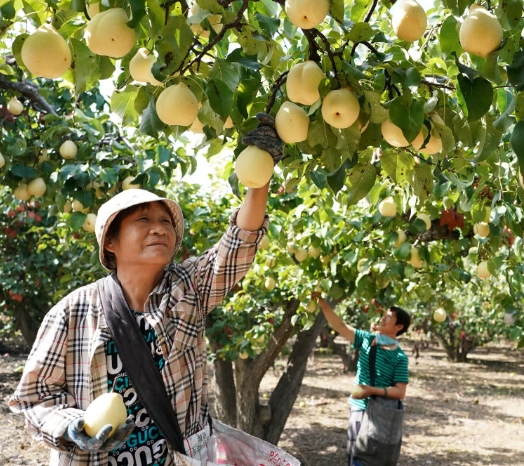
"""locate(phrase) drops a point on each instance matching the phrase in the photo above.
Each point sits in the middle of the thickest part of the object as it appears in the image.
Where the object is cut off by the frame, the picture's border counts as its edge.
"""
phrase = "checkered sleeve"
(224, 265)
(41, 396)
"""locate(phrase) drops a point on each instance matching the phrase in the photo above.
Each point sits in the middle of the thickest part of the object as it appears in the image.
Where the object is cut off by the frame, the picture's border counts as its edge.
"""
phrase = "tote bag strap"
(372, 361)
(138, 361)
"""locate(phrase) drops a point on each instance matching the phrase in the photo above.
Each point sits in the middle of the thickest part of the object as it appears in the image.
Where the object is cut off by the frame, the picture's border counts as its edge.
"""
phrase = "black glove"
(100, 442)
(265, 137)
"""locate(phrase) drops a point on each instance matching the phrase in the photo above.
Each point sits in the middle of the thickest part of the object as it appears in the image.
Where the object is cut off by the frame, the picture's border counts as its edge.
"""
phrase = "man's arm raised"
(338, 325)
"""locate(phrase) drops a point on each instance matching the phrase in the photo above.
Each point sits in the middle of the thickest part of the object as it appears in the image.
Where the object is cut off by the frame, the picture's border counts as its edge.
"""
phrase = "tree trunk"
(285, 393)
(25, 324)
(251, 415)
(224, 403)
(349, 358)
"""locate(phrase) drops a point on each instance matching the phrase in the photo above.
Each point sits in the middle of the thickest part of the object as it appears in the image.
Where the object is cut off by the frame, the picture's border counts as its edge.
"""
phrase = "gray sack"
(380, 436)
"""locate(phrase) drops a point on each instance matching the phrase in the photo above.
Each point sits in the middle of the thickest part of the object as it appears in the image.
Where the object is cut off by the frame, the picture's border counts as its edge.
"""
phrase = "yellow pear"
(177, 105)
(108, 34)
(197, 127)
(270, 283)
(415, 259)
(481, 229)
(127, 183)
(68, 207)
(264, 242)
(44, 156)
(21, 192)
(388, 207)
(409, 20)
(228, 123)
(140, 67)
(291, 123)
(439, 315)
(427, 220)
(89, 223)
(301, 254)
(480, 33)
(482, 270)
(2, 161)
(311, 306)
(302, 82)
(36, 187)
(214, 20)
(418, 141)
(77, 206)
(108, 408)
(68, 150)
(14, 106)
(433, 146)
(393, 134)
(254, 167)
(340, 108)
(306, 14)
(45, 53)
(92, 9)
(401, 238)
(361, 264)
(356, 390)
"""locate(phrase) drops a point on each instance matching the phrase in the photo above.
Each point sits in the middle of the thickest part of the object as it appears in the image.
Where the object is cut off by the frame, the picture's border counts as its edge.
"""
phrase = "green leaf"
(359, 10)
(77, 220)
(122, 103)
(422, 181)
(220, 97)
(23, 171)
(449, 37)
(477, 94)
(407, 114)
(226, 71)
(246, 92)
(150, 124)
(361, 32)
(138, 10)
(319, 178)
(490, 140)
(86, 66)
(17, 147)
(399, 166)
(509, 13)
(516, 71)
(457, 7)
(336, 10)
(336, 179)
(268, 25)
(517, 143)
(360, 179)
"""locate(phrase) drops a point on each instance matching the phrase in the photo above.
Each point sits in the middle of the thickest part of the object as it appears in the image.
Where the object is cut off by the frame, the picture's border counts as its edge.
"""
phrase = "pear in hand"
(108, 408)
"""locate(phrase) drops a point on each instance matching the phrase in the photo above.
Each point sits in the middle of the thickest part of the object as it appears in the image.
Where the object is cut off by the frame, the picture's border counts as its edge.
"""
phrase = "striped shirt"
(391, 366)
(67, 366)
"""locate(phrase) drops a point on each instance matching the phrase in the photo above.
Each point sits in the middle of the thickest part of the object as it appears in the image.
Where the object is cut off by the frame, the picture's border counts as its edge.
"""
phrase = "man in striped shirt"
(391, 366)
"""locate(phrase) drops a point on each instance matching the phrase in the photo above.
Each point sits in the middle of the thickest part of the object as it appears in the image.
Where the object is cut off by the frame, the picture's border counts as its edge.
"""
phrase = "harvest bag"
(380, 436)
(231, 447)
(216, 444)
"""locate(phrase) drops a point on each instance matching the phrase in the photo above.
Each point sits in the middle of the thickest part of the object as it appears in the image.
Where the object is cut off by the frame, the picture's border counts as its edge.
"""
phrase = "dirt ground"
(456, 414)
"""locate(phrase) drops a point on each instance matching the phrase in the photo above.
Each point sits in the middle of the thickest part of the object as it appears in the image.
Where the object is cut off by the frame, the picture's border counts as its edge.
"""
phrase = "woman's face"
(146, 237)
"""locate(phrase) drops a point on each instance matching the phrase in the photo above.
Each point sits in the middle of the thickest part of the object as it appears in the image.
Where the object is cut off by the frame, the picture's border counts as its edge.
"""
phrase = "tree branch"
(29, 90)
(370, 12)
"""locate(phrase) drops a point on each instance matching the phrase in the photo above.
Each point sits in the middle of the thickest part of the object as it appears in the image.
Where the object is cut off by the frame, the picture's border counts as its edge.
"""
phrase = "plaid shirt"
(67, 366)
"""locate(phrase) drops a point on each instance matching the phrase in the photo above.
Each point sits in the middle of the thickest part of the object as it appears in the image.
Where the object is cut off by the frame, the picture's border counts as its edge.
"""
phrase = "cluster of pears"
(46, 54)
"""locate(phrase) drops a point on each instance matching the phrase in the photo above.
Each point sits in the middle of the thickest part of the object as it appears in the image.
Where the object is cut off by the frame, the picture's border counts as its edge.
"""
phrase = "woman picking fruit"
(75, 361)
